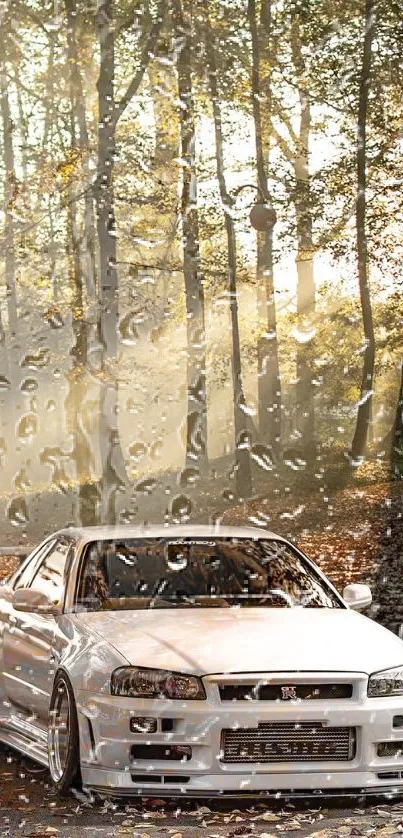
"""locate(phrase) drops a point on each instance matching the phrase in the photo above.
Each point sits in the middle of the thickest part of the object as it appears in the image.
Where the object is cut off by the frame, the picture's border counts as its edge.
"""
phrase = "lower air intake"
(288, 742)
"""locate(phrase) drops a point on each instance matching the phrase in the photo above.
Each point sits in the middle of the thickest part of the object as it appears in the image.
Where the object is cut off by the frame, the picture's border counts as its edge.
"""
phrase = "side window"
(49, 578)
(25, 576)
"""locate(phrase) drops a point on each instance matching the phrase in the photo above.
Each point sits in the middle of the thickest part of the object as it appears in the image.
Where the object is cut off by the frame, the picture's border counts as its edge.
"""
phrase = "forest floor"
(29, 808)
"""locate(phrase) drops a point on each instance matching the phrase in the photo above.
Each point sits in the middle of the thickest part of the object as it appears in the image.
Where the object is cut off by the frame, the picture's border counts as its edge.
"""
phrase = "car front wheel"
(63, 736)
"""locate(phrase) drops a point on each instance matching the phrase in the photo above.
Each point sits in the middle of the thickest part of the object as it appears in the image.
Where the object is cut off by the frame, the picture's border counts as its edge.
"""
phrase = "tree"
(358, 445)
(243, 468)
(109, 113)
(196, 434)
(269, 384)
(10, 191)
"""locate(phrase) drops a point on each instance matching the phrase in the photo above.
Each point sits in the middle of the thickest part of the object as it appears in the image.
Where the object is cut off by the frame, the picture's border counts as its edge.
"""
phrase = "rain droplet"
(21, 481)
(5, 383)
(27, 427)
(177, 557)
(28, 385)
(54, 318)
(293, 460)
(17, 511)
(146, 486)
(181, 508)
(244, 440)
(137, 450)
(188, 477)
(228, 495)
(262, 455)
(36, 360)
(248, 409)
(51, 405)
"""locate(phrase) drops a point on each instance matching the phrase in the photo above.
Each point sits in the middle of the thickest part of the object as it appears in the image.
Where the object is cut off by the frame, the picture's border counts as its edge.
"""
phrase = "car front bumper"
(106, 743)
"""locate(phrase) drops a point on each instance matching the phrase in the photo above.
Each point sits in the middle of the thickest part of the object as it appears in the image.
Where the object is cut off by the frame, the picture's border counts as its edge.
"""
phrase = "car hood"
(209, 641)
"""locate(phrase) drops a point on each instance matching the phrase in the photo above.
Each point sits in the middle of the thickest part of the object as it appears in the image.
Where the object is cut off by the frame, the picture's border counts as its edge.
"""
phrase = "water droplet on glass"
(262, 455)
(36, 360)
(146, 486)
(51, 405)
(137, 450)
(5, 383)
(244, 440)
(27, 427)
(228, 495)
(21, 481)
(181, 508)
(248, 409)
(28, 385)
(177, 558)
(17, 511)
(188, 477)
(293, 460)
(54, 318)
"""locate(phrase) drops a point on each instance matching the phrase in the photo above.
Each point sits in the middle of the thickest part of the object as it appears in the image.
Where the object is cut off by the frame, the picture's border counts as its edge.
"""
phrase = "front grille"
(288, 742)
(284, 692)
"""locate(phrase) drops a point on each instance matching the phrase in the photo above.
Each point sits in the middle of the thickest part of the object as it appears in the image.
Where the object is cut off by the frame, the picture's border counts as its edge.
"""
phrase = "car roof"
(120, 531)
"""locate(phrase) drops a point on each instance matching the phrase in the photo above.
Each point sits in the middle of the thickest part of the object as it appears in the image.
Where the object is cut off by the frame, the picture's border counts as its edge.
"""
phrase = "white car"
(198, 661)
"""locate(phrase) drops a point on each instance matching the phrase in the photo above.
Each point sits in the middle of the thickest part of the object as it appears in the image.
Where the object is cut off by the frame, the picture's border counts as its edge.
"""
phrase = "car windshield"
(198, 573)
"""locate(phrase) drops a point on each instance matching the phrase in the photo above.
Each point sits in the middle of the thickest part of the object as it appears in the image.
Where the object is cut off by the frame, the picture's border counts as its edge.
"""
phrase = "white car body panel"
(203, 641)
(284, 647)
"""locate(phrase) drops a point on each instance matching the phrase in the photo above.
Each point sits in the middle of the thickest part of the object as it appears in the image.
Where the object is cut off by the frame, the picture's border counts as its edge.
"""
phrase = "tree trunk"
(112, 461)
(243, 467)
(269, 384)
(88, 247)
(77, 398)
(397, 435)
(10, 187)
(196, 437)
(305, 391)
(359, 443)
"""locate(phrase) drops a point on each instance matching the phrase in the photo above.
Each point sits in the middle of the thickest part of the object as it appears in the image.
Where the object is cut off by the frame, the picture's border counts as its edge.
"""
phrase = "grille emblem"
(288, 693)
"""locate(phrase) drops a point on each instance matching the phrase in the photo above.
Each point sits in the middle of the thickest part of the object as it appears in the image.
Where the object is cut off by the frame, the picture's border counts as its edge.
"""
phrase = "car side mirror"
(33, 602)
(357, 596)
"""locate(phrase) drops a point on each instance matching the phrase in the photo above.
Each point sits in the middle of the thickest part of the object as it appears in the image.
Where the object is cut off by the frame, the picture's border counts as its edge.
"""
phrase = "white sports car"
(197, 660)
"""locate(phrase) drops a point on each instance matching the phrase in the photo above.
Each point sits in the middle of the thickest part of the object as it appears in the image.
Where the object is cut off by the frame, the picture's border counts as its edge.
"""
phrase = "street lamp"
(262, 216)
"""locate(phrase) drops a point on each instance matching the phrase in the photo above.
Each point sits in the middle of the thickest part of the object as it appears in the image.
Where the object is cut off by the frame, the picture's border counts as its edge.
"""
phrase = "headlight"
(155, 683)
(388, 682)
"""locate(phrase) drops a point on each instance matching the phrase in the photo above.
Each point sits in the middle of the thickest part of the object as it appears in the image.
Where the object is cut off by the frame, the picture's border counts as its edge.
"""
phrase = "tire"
(63, 736)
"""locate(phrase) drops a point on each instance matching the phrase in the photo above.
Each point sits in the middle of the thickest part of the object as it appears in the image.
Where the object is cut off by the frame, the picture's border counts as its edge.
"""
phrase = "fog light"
(390, 749)
(143, 724)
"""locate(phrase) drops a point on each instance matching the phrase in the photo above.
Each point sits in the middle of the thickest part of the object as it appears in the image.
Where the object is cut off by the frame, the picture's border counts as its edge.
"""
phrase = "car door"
(28, 639)
(20, 579)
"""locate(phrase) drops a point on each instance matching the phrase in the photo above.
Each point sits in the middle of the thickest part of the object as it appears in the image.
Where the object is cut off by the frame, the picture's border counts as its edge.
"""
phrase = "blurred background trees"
(159, 356)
